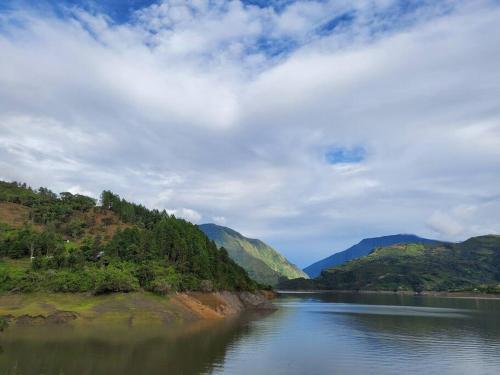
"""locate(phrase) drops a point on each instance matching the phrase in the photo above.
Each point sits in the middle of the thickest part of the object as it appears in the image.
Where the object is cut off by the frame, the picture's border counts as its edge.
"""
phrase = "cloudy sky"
(308, 124)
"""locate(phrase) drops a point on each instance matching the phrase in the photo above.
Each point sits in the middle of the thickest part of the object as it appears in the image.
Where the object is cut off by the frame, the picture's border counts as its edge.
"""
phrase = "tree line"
(154, 250)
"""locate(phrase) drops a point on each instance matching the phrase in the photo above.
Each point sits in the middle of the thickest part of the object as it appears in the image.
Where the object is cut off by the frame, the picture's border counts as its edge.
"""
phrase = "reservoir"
(310, 333)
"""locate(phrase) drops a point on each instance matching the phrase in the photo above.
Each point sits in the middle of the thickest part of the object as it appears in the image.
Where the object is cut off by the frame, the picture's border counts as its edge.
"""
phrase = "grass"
(140, 308)
(15, 266)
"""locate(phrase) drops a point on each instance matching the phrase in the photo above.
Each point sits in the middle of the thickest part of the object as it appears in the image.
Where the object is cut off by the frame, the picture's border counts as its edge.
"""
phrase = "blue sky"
(119, 10)
(308, 124)
(339, 155)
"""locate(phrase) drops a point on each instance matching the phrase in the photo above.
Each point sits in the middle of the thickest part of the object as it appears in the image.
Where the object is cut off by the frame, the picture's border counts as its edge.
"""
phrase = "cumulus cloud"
(221, 220)
(229, 112)
(186, 213)
(445, 224)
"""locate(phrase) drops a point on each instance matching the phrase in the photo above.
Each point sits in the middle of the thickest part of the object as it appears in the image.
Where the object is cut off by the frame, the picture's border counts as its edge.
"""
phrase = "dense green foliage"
(261, 261)
(131, 212)
(471, 265)
(65, 251)
(46, 206)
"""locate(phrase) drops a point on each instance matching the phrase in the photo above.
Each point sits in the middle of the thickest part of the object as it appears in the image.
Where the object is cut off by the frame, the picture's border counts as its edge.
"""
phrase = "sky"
(307, 124)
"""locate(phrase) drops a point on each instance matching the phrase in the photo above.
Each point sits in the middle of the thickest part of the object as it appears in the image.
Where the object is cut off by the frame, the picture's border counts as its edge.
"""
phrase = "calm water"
(309, 334)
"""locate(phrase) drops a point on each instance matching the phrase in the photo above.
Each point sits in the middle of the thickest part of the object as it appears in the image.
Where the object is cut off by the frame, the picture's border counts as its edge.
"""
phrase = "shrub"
(206, 286)
(112, 279)
(75, 259)
(168, 281)
(42, 262)
(29, 282)
(70, 281)
(145, 273)
(7, 282)
(190, 282)
(160, 286)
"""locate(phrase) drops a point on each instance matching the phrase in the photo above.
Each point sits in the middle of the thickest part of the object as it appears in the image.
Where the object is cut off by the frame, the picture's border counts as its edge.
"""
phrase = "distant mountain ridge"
(363, 248)
(263, 263)
(469, 266)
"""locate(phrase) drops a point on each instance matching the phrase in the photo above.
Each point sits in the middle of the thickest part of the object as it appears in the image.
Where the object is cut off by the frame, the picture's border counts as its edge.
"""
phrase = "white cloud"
(221, 220)
(183, 108)
(186, 213)
(78, 190)
(445, 225)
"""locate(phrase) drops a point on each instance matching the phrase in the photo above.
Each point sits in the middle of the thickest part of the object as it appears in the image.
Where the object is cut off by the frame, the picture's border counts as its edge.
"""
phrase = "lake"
(313, 333)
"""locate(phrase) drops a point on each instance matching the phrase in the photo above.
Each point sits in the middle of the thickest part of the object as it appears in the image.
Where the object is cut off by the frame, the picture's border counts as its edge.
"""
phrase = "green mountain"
(263, 263)
(67, 243)
(364, 247)
(474, 263)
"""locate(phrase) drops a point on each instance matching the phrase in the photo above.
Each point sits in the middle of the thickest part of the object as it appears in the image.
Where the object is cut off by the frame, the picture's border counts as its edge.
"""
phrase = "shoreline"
(128, 309)
(466, 295)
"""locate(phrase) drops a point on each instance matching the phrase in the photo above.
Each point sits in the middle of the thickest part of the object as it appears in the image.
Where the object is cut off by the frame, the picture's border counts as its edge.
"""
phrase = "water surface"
(327, 333)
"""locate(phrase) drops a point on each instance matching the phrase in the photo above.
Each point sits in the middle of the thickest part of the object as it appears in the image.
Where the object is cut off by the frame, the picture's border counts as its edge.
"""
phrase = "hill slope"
(263, 263)
(474, 263)
(362, 248)
(66, 243)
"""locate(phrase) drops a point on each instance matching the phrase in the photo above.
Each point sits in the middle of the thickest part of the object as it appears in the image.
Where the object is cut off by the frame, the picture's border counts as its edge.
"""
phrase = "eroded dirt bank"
(132, 309)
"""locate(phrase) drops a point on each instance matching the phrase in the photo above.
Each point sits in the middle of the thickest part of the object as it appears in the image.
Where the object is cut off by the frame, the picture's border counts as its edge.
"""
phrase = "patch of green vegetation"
(409, 250)
(44, 303)
(101, 310)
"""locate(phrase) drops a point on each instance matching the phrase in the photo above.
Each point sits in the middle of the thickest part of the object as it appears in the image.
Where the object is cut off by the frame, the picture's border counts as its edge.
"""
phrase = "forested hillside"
(469, 265)
(261, 261)
(364, 247)
(67, 243)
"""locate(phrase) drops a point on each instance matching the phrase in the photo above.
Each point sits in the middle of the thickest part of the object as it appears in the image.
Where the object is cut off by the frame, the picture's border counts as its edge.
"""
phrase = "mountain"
(362, 248)
(263, 263)
(472, 264)
(67, 243)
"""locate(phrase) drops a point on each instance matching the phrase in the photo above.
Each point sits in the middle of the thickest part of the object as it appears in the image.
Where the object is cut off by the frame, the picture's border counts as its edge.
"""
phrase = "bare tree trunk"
(32, 250)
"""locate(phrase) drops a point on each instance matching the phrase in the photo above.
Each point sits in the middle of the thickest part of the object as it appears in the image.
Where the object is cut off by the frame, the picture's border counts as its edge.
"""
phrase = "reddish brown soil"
(13, 214)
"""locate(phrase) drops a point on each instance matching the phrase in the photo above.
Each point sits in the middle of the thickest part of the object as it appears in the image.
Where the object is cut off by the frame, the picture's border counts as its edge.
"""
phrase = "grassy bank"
(125, 309)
